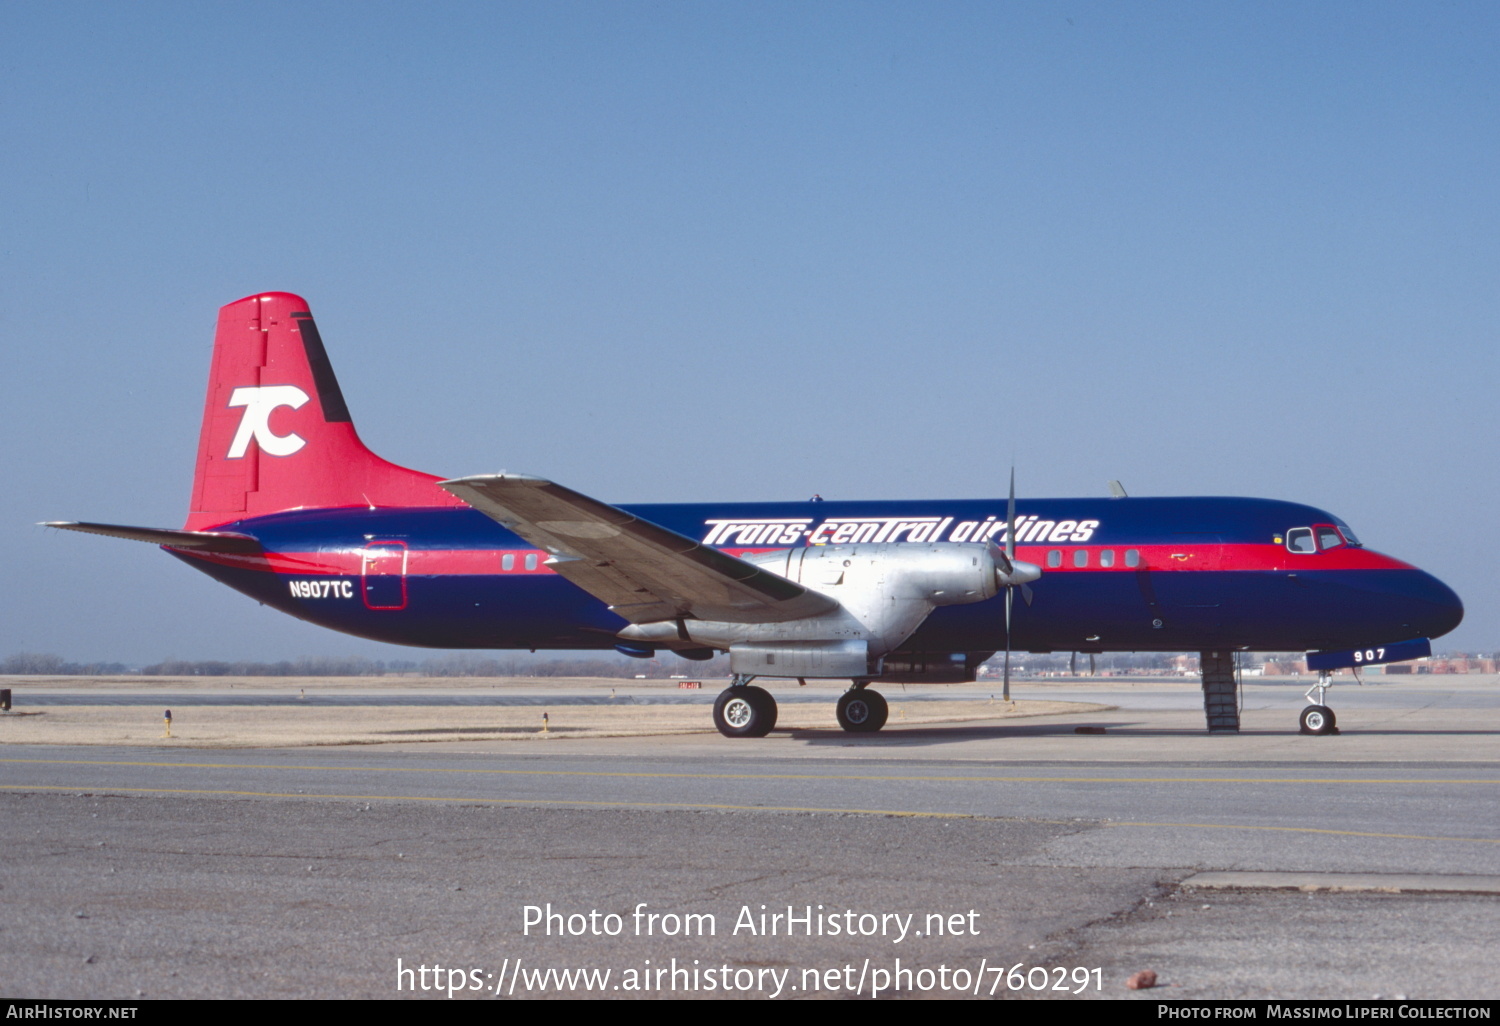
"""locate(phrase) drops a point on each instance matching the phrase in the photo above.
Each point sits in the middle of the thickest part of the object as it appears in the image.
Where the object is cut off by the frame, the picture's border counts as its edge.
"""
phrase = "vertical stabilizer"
(276, 432)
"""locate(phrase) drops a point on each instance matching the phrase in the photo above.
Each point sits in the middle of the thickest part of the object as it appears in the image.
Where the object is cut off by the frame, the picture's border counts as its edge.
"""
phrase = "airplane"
(290, 508)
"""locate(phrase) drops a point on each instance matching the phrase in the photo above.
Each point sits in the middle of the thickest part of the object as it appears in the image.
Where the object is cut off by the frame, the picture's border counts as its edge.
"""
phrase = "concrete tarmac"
(1074, 859)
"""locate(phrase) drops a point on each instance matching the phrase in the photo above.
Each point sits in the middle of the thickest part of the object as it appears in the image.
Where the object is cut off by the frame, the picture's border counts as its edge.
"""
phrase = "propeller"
(1010, 569)
(1013, 575)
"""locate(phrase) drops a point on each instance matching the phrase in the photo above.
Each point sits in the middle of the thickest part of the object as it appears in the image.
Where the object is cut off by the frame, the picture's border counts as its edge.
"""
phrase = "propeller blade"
(1005, 692)
(1073, 665)
(1017, 573)
(1010, 519)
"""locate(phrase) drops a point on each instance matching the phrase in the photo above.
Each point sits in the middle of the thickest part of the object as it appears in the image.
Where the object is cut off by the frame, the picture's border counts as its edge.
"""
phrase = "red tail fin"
(276, 433)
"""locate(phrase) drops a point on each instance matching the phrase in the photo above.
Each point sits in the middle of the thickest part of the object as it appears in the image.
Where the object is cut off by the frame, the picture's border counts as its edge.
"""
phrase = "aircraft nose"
(1410, 603)
(1422, 604)
(1441, 609)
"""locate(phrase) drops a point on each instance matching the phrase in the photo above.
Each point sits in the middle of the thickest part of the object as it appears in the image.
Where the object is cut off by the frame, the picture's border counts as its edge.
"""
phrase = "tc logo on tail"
(256, 423)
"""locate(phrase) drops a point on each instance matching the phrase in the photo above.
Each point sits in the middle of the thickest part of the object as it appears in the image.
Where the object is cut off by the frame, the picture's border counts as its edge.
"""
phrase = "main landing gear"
(861, 710)
(742, 710)
(1318, 718)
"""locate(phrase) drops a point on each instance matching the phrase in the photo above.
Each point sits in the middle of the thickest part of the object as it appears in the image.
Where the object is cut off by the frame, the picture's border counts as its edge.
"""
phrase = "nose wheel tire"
(862, 710)
(746, 711)
(1319, 719)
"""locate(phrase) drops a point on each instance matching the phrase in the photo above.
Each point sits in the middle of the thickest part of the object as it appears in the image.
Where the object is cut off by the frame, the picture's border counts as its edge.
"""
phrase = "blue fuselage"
(1139, 574)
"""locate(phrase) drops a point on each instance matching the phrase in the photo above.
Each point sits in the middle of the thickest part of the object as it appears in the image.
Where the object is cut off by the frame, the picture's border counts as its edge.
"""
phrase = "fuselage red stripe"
(1162, 558)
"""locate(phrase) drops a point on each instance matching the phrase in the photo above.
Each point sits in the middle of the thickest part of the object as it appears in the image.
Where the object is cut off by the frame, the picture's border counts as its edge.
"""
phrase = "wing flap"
(643, 571)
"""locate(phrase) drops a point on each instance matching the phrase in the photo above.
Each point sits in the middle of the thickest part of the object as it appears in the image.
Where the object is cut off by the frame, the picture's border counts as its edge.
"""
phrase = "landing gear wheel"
(862, 710)
(1319, 719)
(745, 711)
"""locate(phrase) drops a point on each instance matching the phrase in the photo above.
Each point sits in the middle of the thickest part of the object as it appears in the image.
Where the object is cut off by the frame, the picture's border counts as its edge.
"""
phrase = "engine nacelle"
(940, 573)
(884, 593)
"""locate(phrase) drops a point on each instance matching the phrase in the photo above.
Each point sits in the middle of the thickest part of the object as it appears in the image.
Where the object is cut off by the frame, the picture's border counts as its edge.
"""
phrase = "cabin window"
(1080, 557)
(1054, 558)
(531, 560)
(1328, 537)
(1107, 557)
(1300, 539)
(508, 561)
(1132, 557)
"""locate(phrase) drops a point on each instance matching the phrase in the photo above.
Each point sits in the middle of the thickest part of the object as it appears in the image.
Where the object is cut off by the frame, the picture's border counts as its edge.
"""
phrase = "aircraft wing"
(645, 572)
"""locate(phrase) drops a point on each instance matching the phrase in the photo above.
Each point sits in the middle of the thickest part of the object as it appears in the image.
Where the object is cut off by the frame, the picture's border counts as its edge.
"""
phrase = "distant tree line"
(560, 665)
(39, 663)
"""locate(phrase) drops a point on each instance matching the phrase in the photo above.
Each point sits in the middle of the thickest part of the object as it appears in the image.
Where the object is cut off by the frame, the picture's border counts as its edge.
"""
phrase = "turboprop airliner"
(290, 508)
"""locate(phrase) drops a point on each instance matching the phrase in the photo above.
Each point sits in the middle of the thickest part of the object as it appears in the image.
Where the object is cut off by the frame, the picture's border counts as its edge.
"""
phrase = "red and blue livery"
(292, 509)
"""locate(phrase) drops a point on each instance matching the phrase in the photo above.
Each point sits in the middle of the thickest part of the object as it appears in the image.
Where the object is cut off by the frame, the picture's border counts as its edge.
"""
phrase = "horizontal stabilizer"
(643, 571)
(196, 541)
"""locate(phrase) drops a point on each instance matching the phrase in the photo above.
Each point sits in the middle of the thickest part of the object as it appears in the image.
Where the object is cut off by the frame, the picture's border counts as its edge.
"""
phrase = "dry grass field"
(587, 707)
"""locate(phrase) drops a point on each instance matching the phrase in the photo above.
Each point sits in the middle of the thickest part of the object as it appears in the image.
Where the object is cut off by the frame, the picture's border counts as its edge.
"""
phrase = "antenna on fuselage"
(1117, 490)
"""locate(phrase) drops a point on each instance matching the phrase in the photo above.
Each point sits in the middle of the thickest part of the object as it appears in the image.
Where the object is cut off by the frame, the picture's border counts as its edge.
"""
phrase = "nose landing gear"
(1318, 718)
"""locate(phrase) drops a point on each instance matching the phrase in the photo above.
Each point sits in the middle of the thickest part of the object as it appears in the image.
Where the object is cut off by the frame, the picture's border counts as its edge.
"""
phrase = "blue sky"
(672, 252)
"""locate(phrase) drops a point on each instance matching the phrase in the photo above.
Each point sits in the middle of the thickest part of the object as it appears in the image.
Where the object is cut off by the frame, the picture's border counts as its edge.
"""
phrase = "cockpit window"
(1317, 538)
(1329, 537)
(1348, 534)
